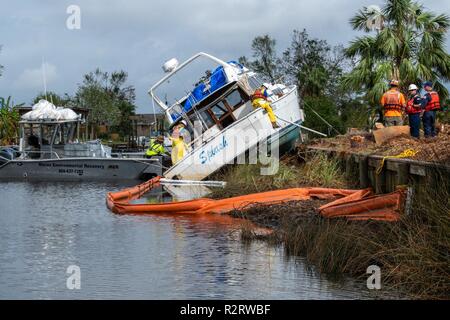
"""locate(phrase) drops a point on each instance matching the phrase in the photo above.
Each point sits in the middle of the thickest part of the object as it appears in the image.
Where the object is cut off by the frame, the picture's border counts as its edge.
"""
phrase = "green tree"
(313, 65)
(265, 58)
(9, 121)
(124, 97)
(327, 109)
(408, 45)
(108, 99)
(316, 68)
(54, 98)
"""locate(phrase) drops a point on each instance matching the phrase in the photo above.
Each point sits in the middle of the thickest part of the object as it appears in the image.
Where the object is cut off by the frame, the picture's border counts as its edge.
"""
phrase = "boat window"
(219, 110)
(207, 119)
(235, 99)
(227, 121)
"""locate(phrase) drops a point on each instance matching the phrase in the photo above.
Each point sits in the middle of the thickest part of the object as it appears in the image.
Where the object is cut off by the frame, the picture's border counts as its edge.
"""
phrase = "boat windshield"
(191, 83)
(43, 137)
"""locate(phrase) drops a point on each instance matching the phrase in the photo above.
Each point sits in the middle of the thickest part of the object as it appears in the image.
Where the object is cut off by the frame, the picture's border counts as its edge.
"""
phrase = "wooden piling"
(363, 171)
(395, 172)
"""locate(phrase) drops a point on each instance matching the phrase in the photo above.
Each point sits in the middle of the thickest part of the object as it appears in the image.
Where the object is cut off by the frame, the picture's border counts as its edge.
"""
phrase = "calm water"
(46, 227)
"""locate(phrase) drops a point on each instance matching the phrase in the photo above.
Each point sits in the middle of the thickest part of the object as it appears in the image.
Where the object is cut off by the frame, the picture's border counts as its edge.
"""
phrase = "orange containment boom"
(352, 204)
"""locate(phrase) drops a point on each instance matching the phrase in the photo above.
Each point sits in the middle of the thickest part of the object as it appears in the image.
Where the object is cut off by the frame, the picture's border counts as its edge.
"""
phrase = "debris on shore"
(432, 149)
(272, 216)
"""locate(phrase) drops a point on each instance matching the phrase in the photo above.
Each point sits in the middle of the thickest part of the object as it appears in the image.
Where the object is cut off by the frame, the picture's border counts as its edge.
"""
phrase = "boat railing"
(4, 161)
(121, 155)
(25, 154)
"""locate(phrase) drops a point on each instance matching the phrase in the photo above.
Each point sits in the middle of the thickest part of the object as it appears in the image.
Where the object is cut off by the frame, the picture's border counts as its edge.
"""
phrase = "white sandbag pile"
(44, 110)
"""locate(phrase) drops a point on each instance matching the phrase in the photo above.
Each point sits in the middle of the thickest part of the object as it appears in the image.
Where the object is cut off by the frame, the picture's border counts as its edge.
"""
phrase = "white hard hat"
(412, 87)
(183, 122)
(267, 85)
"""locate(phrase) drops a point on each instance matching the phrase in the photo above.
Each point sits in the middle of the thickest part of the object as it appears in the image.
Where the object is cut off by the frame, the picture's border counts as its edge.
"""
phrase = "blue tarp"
(217, 80)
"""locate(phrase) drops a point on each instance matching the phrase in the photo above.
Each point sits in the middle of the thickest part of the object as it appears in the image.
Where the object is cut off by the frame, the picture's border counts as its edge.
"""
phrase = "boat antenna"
(154, 116)
(44, 78)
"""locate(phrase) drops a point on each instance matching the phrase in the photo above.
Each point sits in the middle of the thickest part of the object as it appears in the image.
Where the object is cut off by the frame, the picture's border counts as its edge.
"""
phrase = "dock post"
(398, 174)
(348, 165)
(379, 180)
(402, 174)
(363, 172)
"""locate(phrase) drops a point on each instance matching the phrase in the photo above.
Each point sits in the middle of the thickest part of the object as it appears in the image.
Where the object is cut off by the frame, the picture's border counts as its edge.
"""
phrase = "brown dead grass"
(433, 150)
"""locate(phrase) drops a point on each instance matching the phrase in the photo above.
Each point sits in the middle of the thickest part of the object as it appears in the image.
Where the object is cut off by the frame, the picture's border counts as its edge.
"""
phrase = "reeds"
(413, 254)
(244, 179)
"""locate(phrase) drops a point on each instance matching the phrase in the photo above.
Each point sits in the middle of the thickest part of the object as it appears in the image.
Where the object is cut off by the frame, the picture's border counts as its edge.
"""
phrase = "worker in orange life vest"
(260, 99)
(414, 109)
(393, 101)
(431, 104)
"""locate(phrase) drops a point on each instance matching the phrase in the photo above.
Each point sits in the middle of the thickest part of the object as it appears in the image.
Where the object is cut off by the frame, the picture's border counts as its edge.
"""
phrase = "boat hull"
(79, 169)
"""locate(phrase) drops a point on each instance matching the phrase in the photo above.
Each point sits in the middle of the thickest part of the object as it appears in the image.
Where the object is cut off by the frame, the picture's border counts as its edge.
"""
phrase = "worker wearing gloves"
(181, 139)
(156, 147)
(260, 99)
(414, 109)
(431, 104)
(393, 101)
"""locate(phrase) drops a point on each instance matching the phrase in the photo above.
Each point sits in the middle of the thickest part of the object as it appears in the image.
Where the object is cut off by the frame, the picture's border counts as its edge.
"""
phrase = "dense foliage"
(9, 121)
(109, 100)
(54, 98)
(408, 45)
(316, 68)
(341, 87)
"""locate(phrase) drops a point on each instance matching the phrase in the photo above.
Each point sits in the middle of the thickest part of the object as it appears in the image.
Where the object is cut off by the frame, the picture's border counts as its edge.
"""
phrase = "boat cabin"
(47, 139)
(55, 139)
(220, 97)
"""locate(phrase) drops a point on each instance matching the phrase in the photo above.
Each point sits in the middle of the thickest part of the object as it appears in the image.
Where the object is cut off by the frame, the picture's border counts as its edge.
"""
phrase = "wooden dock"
(395, 172)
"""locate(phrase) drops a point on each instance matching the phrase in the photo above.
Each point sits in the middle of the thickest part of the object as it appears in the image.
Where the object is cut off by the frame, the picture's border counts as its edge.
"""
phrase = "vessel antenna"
(44, 78)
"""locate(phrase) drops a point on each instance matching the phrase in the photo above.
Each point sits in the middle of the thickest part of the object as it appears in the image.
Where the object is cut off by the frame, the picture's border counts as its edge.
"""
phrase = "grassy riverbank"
(412, 253)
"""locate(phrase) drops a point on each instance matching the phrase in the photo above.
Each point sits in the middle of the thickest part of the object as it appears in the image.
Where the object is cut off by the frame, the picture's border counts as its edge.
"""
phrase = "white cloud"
(34, 78)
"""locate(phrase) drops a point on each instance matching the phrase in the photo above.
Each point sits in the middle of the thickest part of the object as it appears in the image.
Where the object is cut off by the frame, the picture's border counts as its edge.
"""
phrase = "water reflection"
(45, 227)
(170, 192)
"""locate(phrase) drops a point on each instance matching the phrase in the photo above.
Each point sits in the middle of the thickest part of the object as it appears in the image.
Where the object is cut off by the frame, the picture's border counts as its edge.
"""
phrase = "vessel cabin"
(220, 97)
(46, 139)
(54, 139)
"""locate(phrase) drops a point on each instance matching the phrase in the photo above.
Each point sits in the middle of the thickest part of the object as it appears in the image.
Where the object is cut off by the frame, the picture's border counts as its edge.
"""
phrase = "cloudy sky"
(138, 36)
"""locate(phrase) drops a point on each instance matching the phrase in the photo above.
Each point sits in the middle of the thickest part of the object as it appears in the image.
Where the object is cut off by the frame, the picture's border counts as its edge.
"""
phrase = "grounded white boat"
(50, 150)
(221, 119)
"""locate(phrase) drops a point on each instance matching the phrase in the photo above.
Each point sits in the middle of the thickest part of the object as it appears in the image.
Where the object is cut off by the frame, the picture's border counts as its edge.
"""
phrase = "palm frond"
(363, 46)
(359, 21)
(388, 42)
(441, 22)
(441, 90)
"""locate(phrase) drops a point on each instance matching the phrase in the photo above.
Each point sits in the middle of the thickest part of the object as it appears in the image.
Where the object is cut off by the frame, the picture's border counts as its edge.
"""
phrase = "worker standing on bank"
(180, 138)
(260, 99)
(414, 109)
(431, 104)
(156, 147)
(393, 101)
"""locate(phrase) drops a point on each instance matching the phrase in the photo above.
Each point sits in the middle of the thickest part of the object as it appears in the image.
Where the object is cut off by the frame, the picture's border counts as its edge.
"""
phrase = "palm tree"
(9, 121)
(408, 45)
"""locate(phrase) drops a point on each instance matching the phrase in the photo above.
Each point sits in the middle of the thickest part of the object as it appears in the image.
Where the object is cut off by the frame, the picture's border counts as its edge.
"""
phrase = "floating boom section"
(352, 204)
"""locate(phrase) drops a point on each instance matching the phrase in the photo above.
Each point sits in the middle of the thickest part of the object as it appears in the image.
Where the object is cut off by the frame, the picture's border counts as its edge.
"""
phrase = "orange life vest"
(259, 94)
(411, 108)
(434, 103)
(392, 101)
